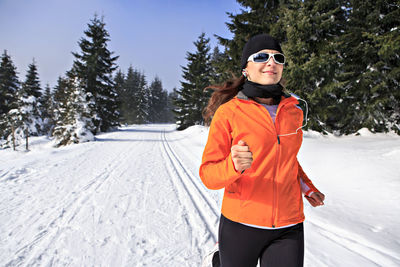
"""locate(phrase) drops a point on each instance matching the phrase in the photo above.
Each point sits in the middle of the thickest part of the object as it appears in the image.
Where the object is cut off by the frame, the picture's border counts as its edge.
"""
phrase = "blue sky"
(152, 35)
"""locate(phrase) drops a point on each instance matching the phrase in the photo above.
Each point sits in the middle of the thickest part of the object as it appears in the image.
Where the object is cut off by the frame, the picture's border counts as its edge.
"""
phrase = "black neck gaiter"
(251, 89)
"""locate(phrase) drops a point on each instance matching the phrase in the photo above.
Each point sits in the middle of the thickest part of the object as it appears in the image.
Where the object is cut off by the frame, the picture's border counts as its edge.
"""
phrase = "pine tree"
(9, 85)
(383, 72)
(171, 99)
(387, 44)
(157, 102)
(22, 119)
(142, 96)
(197, 75)
(47, 110)
(164, 118)
(370, 59)
(27, 115)
(95, 65)
(128, 101)
(32, 83)
(119, 81)
(218, 73)
(256, 17)
(60, 98)
(313, 28)
(75, 124)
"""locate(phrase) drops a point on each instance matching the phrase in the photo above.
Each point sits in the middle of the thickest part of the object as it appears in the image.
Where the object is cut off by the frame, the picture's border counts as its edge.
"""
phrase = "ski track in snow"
(191, 181)
(199, 199)
(132, 199)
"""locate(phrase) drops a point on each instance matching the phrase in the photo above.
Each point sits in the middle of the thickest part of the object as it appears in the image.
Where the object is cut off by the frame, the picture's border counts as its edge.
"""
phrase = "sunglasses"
(263, 57)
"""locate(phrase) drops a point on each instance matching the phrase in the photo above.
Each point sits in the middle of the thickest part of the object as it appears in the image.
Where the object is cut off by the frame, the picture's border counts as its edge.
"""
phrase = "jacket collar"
(242, 96)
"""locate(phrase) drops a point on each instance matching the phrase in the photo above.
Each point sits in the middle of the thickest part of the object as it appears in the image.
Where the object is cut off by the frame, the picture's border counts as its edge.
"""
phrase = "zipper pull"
(279, 140)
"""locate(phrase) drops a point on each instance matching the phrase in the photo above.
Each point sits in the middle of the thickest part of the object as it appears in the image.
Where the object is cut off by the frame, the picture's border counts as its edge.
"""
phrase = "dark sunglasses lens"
(261, 57)
(279, 58)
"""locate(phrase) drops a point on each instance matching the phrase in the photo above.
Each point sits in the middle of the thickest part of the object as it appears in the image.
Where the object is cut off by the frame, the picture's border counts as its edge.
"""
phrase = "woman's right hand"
(316, 199)
(241, 156)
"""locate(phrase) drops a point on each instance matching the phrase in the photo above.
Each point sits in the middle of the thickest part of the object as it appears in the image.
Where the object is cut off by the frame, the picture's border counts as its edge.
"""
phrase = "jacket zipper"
(274, 189)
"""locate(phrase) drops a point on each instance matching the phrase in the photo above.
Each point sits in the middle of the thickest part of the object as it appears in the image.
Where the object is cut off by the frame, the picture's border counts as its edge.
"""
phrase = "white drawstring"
(298, 98)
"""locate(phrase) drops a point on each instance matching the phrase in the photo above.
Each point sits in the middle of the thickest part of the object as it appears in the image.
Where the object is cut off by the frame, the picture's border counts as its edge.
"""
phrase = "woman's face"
(264, 73)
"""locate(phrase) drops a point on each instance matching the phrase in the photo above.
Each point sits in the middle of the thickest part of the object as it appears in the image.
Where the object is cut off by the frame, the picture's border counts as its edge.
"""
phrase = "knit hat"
(258, 43)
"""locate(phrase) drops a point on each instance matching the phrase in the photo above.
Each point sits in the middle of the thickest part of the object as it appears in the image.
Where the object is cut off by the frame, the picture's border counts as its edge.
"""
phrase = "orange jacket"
(268, 193)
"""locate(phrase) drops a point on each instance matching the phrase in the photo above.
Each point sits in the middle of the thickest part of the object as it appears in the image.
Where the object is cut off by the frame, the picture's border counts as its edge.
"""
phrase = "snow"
(133, 198)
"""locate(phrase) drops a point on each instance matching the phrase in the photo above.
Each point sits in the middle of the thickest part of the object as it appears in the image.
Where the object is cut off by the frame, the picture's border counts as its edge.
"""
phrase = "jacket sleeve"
(306, 185)
(217, 169)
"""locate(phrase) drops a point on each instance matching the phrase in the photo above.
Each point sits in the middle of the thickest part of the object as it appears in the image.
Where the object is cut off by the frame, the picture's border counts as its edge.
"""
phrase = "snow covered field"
(134, 198)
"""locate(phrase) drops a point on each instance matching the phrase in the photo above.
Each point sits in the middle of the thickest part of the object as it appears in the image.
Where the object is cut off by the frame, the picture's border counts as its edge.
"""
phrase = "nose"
(270, 61)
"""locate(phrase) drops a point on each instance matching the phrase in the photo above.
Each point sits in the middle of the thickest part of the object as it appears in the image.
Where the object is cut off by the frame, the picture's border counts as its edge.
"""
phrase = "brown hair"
(222, 94)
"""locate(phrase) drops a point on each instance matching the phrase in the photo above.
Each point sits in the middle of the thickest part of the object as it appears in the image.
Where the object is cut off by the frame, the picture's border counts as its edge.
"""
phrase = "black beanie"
(258, 43)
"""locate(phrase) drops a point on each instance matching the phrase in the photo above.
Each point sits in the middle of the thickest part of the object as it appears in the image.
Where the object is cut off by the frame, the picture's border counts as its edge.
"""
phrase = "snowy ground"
(134, 198)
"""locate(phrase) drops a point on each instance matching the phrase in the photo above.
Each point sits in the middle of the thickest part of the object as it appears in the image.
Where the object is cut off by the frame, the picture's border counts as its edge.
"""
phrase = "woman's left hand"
(316, 199)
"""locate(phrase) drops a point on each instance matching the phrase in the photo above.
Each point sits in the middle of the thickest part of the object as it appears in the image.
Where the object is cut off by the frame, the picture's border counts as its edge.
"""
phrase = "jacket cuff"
(309, 193)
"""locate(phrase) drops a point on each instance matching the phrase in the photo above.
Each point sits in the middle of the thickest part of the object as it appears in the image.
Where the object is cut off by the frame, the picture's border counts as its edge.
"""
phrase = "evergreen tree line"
(89, 99)
(343, 58)
(142, 103)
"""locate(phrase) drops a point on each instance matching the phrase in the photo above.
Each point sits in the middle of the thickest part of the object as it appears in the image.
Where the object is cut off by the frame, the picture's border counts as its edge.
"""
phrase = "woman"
(251, 151)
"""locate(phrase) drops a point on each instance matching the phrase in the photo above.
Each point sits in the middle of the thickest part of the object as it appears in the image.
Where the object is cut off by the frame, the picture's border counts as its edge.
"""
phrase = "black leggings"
(243, 246)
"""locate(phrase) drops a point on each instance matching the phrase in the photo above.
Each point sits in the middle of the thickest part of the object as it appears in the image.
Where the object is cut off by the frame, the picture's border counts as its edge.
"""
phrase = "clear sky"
(151, 35)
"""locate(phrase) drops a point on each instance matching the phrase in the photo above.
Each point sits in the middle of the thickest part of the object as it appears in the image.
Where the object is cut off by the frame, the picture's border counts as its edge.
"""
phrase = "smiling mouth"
(269, 72)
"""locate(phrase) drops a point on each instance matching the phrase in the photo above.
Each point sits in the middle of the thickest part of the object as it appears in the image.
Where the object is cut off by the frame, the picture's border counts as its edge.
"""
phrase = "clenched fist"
(316, 199)
(241, 156)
